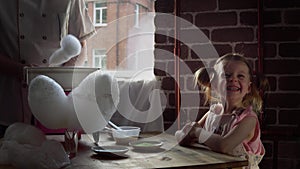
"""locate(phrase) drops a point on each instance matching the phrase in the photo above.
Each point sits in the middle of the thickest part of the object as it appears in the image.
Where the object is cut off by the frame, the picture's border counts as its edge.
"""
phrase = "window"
(100, 59)
(100, 14)
(127, 37)
(137, 13)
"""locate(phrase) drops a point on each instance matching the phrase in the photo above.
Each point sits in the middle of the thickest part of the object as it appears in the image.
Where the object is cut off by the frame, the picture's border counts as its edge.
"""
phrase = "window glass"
(100, 14)
(126, 32)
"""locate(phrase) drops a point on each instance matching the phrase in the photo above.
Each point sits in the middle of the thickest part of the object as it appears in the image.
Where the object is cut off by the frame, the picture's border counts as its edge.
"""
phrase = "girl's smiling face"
(233, 81)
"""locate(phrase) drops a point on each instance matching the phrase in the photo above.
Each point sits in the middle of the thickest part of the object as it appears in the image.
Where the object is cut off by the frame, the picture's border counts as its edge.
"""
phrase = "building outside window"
(100, 14)
(99, 59)
(126, 30)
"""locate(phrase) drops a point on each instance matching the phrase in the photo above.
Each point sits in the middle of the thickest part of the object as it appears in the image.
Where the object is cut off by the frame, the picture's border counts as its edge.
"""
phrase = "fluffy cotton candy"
(70, 47)
(50, 105)
(95, 100)
(89, 106)
(26, 147)
(24, 134)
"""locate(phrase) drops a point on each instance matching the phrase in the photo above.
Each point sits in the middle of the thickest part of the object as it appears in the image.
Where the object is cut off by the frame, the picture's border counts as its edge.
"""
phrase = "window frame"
(101, 9)
(102, 57)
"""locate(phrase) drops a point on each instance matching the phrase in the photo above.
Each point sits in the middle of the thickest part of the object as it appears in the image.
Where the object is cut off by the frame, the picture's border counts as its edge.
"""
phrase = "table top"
(169, 155)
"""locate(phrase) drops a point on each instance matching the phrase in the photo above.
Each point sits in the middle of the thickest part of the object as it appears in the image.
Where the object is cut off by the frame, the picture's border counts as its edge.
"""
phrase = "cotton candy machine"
(67, 77)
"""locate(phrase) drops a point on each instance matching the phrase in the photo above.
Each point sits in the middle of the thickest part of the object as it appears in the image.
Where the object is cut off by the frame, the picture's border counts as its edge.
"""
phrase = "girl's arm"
(224, 144)
(201, 122)
(186, 135)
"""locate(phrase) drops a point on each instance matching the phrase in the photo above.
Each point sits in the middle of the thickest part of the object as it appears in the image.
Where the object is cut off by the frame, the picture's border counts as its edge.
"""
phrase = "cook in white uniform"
(31, 31)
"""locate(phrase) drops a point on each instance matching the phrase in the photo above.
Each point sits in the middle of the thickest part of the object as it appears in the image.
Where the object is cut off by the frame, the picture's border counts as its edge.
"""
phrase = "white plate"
(146, 145)
(110, 150)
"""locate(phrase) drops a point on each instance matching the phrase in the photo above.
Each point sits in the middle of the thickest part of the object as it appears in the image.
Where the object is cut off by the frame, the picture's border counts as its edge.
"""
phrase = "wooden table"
(170, 155)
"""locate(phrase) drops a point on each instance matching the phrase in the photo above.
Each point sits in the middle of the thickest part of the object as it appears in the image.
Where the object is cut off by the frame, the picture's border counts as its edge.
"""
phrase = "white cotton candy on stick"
(89, 106)
(24, 134)
(95, 100)
(69, 48)
(50, 105)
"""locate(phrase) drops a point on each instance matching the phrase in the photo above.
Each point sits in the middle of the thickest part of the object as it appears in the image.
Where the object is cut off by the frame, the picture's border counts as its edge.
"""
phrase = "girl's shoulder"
(243, 113)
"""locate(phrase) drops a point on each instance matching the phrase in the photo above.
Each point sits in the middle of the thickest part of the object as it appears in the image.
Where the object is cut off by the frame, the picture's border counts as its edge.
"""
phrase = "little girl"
(231, 125)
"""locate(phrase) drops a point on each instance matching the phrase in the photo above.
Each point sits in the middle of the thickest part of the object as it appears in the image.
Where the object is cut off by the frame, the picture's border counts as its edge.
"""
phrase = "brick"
(165, 6)
(266, 163)
(172, 100)
(269, 148)
(193, 36)
(191, 100)
(168, 83)
(187, 115)
(249, 50)
(292, 17)
(204, 51)
(289, 49)
(186, 20)
(223, 49)
(190, 84)
(288, 149)
(285, 163)
(281, 34)
(159, 68)
(281, 4)
(159, 72)
(269, 50)
(233, 35)
(271, 17)
(163, 52)
(237, 4)
(248, 18)
(289, 117)
(197, 6)
(282, 66)
(184, 52)
(216, 19)
(169, 115)
(193, 67)
(160, 36)
(289, 83)
(164, 21)
(283, 100)
(272, 82)
(269, 117)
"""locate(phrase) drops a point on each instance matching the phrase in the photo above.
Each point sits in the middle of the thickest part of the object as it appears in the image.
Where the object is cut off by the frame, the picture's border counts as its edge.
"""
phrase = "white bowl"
(67, 77)
(126, 135)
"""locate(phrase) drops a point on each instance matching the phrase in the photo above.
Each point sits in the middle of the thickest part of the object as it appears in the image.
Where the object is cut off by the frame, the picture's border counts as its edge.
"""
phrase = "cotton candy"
(88, 106)
(24, 146)
(69, 48)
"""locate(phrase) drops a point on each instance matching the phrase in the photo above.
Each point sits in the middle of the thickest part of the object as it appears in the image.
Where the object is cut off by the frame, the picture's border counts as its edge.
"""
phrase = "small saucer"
(110, 150)
(146, 145)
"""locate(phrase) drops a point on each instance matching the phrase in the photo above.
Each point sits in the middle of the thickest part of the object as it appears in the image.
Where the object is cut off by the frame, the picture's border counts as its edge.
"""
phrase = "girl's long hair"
(204, 76)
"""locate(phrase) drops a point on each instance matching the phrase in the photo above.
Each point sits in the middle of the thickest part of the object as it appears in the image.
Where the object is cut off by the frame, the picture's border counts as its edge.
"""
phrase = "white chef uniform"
(31, 31)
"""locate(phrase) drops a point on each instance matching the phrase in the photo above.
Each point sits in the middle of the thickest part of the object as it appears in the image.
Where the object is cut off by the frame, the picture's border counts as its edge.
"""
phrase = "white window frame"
(102, 58)
(101, 9)
(137, 15)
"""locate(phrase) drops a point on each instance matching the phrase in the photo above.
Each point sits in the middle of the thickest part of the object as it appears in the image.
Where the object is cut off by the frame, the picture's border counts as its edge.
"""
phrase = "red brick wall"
(232, 26)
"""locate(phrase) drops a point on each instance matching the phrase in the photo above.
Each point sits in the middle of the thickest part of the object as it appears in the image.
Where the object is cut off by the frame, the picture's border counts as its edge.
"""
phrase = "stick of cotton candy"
(69, 48)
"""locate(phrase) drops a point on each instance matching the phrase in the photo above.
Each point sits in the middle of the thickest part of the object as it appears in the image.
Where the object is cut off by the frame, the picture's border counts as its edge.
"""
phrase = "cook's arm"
(10, 67)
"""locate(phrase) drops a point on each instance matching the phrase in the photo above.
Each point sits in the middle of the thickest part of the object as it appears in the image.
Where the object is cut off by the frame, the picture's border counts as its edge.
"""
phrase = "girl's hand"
(186, 135)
